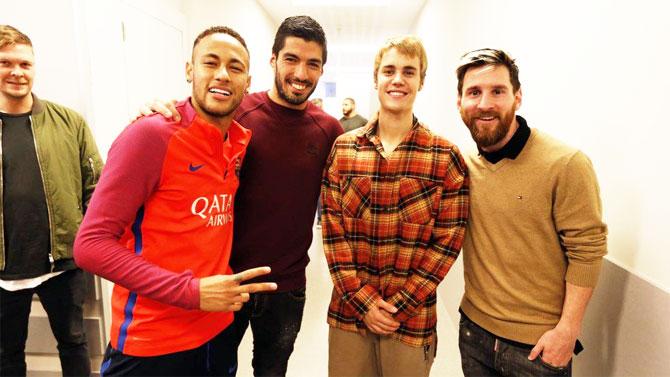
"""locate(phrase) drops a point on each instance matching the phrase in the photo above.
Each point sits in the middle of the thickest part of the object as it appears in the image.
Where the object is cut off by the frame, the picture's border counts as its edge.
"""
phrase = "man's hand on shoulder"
(225, 293)
(165, 108)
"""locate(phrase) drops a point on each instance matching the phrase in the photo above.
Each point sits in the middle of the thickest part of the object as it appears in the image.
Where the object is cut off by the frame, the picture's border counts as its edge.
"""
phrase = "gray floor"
(310, 357)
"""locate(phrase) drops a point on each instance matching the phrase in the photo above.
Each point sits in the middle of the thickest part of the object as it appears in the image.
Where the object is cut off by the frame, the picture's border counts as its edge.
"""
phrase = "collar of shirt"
(7, 115)
(370, 130)
(512, 149)
(371, 133)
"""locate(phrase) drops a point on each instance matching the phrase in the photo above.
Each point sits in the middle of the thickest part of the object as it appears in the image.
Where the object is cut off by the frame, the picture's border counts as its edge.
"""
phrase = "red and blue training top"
(161, 218)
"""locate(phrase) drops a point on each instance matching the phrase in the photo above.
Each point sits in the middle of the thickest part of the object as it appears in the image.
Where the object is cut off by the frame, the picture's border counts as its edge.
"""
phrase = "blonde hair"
(10, 36)
(408, 45)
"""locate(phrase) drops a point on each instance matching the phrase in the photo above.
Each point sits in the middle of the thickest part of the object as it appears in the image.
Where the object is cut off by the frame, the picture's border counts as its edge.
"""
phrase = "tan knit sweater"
(535, 223)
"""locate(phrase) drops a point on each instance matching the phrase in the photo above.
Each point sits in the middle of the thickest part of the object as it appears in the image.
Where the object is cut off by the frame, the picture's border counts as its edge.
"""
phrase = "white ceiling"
(353, 27)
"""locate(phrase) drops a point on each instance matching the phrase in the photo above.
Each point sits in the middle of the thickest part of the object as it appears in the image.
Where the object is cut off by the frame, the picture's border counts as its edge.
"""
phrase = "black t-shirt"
(25, 214)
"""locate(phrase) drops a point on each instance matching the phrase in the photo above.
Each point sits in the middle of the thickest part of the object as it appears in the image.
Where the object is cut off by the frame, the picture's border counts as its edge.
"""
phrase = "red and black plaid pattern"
(393, 225)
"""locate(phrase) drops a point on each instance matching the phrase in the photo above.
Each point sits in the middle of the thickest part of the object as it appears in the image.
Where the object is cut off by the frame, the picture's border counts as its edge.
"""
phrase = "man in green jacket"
(50, 165)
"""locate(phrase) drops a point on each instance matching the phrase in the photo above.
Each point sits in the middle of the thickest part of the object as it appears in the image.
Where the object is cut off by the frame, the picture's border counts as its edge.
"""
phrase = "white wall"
(247, 18)
(57, 64)
(83, 62)
(132, 53)
(350, 67)
(356, 84)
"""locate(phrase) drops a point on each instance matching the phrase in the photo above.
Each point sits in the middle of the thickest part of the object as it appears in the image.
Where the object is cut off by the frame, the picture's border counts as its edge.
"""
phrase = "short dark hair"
(10, 36)
(349, 99)
(223, 30)
(488, 56)
(303, 27)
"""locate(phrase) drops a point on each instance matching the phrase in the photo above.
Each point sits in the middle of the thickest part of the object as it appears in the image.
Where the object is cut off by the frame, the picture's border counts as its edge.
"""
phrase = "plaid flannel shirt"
(393, 225)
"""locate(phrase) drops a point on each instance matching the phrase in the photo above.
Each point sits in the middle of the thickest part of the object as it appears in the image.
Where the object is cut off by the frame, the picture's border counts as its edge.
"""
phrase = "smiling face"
(219, 71)
(398, 81)
(488, 104)
(17, 70)
(297, 67)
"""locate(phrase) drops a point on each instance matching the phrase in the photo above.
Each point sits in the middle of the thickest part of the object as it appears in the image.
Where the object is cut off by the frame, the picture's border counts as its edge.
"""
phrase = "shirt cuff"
(363, 300)
(583, 275)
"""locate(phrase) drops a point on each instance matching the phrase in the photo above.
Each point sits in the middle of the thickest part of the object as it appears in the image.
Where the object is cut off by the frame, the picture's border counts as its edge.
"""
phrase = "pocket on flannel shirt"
(418, 200)
(356, 197)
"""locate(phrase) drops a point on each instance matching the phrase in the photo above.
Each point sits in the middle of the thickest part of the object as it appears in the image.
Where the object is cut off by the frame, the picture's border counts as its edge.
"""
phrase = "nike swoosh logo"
(192, 167)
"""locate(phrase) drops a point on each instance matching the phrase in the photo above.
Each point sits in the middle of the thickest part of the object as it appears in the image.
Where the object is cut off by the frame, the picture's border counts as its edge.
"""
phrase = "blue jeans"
(275, 320)
(484, 354)
(63, 298)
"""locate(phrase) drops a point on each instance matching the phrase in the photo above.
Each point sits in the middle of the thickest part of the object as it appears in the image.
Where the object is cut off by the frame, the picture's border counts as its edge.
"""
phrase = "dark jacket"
(70, 166)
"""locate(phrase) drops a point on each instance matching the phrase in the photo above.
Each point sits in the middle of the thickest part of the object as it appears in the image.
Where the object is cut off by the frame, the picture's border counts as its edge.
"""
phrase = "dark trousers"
(484, 354)
(275, 320)
(201, 361)
(63, 299)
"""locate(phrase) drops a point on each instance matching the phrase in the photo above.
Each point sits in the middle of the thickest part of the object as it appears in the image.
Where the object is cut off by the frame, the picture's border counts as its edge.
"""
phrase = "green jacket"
(70, 165)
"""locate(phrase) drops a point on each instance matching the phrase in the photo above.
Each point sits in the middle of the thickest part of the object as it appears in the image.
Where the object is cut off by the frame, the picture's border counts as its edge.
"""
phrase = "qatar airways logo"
(216, 209)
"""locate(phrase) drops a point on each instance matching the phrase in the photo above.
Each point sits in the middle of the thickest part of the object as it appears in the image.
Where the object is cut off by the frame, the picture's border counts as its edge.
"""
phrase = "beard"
(288, 97)
(486, 137)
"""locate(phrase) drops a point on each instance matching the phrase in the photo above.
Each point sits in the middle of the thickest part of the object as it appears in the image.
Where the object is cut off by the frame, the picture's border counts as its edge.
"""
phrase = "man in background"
(351, 120)
(318, 102)
(535, 238)
(50, 166)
